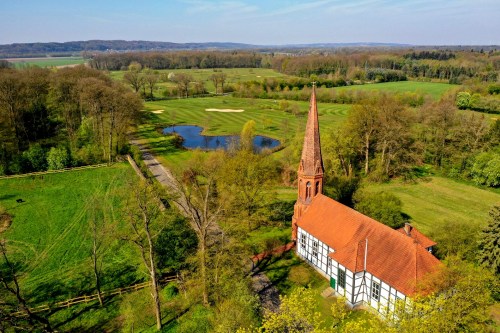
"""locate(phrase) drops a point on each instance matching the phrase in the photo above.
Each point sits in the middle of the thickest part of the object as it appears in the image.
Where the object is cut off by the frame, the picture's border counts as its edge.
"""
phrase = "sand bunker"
(224, 110)
(158, 111)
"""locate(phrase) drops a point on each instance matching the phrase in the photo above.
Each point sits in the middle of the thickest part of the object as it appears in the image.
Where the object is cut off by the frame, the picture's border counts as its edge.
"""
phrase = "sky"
(261, 22)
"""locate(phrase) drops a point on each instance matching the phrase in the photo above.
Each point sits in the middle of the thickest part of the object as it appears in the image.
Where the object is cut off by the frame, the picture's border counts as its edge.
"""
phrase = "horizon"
(278, 23)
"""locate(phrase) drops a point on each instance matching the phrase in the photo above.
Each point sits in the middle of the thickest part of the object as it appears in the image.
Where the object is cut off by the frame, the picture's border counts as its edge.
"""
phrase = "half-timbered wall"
(357, 288)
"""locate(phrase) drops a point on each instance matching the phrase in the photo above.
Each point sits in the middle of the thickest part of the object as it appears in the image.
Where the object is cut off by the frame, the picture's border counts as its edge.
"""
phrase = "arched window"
(308, 190)
(316, 192)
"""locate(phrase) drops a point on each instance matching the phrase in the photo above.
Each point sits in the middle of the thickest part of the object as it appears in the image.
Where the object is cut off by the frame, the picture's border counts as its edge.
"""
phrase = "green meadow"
(47, 62)
(436, 200)
(436, 90)
(50, 233)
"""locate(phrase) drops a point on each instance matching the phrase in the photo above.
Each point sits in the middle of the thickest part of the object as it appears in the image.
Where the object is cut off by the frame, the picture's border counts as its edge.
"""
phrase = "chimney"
(408, 228)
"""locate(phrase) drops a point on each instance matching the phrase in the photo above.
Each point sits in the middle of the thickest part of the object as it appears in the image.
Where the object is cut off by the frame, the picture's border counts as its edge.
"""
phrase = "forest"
(224, 207)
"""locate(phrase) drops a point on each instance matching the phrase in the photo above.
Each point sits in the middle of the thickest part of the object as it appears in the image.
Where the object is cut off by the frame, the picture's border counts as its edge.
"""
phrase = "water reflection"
(194, 139)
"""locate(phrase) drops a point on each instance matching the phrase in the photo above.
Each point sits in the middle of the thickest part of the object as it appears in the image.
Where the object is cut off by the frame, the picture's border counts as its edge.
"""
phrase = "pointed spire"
(311, 163)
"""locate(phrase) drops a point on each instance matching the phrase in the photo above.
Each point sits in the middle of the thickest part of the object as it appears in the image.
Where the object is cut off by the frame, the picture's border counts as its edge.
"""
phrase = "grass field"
(271, 121)
(436, 90)
(50, 230)
(47, 62)
(437, 200)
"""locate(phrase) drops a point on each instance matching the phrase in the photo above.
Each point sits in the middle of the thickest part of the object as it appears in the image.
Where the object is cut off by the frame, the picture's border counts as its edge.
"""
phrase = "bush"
(57, 158)
(35, 156)
(381, 206)
(486, 169)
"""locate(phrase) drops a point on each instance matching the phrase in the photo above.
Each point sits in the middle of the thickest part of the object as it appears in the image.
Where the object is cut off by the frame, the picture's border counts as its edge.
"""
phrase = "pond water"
(194, 139)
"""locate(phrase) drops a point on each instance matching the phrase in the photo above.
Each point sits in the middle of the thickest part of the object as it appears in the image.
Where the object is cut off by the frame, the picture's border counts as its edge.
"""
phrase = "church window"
(317, 189)
(303, 239)
(308, 190)
(341, 277)
(315, 249)
(376, 291)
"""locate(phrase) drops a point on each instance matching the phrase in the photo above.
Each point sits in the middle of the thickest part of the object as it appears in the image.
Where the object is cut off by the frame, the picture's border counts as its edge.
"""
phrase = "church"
(365, 261)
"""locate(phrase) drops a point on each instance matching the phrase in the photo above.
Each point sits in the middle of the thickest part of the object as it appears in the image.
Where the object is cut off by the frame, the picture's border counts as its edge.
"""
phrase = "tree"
(247, 135)
(218, 78)
(13, 299)
(150, 80)
(134, 76)
(182, 81)
(455, 298)
(486, 169)
(362, 122)
(489, 242)
(381, 206)
(245, 180)
(198, 200)
(297, 314)
(145, 220)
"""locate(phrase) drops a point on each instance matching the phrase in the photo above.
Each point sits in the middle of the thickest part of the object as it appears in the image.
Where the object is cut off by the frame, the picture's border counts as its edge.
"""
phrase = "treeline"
(381, 66)
(178, 60)
(436, 55)
(352, 67)
(300, 90)
(55, 119)
(382, 139)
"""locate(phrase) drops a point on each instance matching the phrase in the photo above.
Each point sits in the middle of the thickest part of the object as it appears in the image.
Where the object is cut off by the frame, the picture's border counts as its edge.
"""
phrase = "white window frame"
(303, 241)
(375, 292)
(315, 249)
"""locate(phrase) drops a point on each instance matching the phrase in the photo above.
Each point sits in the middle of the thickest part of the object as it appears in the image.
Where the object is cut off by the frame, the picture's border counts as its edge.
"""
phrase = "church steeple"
(310, 173)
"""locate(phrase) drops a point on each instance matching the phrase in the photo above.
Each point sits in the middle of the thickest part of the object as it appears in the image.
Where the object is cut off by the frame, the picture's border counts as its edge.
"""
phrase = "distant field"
(46, 62)
(433, 202)
(436, 90)
(234, 75)
(50, 228)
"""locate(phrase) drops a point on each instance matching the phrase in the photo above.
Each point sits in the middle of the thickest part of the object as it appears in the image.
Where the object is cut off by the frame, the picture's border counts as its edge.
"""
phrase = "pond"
(194, 139)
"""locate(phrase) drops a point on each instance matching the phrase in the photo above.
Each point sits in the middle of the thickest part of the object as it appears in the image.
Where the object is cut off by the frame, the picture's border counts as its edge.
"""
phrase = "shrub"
(57, 158)
(486, 169)
(35, 156)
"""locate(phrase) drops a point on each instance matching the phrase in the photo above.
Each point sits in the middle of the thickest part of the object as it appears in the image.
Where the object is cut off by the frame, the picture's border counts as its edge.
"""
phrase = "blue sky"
(264, 22)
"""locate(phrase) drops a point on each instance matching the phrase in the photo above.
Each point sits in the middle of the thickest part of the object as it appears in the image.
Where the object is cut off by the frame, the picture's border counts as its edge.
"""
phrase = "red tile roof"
(419, 237)
(392, 256)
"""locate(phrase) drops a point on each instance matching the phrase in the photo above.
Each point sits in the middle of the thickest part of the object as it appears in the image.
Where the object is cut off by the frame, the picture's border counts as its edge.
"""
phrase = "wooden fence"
(90, 298)
(55, 171)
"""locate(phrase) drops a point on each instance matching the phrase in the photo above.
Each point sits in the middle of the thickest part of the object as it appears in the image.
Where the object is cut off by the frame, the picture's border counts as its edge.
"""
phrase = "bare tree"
(182, 80)
(218, 79)
(145, 218)
(199, 202)
(10, 284)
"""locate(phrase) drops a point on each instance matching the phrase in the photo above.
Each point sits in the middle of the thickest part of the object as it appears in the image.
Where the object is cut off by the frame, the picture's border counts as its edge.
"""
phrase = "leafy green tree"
(57, 158)
(459, 301)
(486, 169)
(381, 206)
(462, 242)
(489, 242)
(247, 135)
(175, 243)
(463, 100)
(297, 314)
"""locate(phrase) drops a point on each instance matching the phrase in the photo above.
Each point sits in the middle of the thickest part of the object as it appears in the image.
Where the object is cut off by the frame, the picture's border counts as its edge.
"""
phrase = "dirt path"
(268, 293)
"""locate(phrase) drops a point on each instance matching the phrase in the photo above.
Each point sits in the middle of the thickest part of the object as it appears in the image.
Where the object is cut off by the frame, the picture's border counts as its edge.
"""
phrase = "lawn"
(436, 90)
(50, 230)
(436, 200)
(47, 62)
